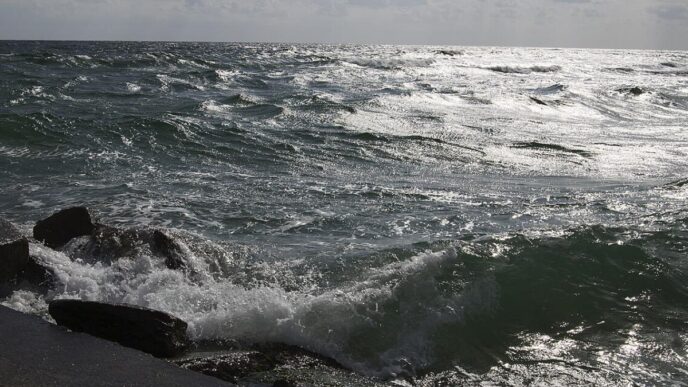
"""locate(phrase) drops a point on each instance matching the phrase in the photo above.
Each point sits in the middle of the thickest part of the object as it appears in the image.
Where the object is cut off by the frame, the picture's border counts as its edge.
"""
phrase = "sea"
(423, 215)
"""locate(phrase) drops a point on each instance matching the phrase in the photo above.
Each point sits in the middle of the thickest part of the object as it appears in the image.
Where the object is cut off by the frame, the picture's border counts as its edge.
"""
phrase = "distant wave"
(679, 72)
(556, 88)
(391, 63)
(622, 70)
(524, 70)
(537, 146)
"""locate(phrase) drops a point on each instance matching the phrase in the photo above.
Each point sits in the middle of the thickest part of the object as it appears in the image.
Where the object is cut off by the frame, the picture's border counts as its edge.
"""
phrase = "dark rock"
(636, 91)
(59, 228)
(677, 184)
(109, 240)
(538, 101)
(451, 52)
(170, 249)
(36, 353)
(107, 244)
(14, 251)
(277, 365)
(232, 366)
(283, 383)
(36, 275)
(155, 332)
(296, 356)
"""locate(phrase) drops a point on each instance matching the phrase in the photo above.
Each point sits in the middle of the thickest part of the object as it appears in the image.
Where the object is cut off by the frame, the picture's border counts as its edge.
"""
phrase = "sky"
(650, 24)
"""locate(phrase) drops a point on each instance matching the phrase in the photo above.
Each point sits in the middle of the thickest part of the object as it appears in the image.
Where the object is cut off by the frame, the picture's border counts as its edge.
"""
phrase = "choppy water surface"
(438, 214)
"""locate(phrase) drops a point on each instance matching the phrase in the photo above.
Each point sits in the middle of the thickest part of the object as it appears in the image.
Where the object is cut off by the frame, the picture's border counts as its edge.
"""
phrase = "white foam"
(133, 87)
(166, 81)
(33, 203)
(214, 107)
(226, 75)
(26, 302)
(320, 319)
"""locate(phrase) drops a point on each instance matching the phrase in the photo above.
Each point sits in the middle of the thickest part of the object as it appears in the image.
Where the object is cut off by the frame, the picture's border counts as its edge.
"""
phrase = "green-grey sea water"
(437, 215)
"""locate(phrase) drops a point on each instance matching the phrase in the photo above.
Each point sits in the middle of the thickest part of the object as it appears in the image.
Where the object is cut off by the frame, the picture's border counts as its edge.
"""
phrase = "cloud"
(671, 12)
(387, 3)
(578, 23)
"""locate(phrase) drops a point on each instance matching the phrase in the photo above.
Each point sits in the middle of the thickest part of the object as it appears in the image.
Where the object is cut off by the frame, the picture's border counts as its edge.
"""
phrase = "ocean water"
(438, 215)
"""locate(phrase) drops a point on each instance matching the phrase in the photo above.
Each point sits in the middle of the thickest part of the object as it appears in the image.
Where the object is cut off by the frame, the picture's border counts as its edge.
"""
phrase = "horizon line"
(337, 44)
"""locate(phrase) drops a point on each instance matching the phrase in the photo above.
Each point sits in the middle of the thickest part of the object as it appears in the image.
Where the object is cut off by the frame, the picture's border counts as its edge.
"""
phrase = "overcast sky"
(661, 24)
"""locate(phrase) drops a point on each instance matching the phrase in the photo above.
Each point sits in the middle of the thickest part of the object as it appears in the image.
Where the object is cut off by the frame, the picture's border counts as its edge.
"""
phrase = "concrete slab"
(36, 353)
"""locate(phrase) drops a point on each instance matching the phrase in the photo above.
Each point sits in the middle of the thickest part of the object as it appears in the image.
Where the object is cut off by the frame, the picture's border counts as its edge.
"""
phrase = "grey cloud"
(670, 11)
(573, 1)
(577, 23)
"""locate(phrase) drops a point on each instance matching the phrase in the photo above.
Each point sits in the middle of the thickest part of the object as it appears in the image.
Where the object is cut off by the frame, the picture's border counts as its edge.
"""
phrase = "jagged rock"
(155, 332)
(62, 226)
(14, 251)
(169, 249)
(107, 244)
(111, 241)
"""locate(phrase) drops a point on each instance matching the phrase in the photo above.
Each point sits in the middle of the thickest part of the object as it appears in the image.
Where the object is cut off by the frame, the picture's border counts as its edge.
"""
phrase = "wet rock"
(538, 101)
(450, 52)
(295, 356)
(677, 184)
(636, 91)
(283, 383)
(151, 331)
(170, 249)
(36, 276)
(115, 242)
(14, 251)
(62, 226)
(107, 244)
(277, 365)
(230, 367)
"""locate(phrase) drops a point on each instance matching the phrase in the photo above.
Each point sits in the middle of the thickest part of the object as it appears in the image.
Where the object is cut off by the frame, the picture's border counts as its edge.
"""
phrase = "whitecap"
(214, 107)
(524, 69)
(133, 87)
(33, 203)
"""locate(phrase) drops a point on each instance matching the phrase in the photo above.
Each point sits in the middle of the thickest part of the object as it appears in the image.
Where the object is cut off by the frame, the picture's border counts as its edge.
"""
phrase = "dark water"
(445, 215)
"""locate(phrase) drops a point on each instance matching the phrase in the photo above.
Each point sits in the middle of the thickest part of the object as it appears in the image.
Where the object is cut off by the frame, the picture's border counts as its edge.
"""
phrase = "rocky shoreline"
(154, 332)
